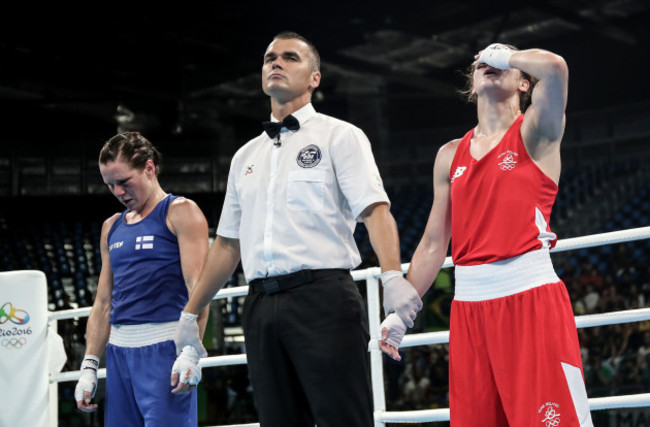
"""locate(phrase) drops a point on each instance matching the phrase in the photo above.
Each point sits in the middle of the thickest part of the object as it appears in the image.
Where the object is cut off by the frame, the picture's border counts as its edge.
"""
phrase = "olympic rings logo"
(13, 343)
(8, 313)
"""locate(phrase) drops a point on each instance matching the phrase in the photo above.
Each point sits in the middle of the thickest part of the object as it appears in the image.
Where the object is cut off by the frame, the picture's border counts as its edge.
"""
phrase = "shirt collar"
(303, 114)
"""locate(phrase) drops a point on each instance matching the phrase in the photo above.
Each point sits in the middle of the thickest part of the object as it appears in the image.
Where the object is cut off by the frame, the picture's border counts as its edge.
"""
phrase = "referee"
(294, 196)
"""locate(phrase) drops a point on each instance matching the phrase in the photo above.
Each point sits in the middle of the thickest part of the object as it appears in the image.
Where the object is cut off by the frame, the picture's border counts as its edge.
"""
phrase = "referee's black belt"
(272, 285)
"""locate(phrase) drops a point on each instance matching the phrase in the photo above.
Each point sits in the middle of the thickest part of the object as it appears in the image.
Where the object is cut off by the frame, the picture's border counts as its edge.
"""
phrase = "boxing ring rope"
(371, 276)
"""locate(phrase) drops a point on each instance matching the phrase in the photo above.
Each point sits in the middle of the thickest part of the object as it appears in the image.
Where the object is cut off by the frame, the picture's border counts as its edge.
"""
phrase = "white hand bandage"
(187, 333)
(400, 296)
(396, 329)
(88, 378)
(497, 55)
(187, 366)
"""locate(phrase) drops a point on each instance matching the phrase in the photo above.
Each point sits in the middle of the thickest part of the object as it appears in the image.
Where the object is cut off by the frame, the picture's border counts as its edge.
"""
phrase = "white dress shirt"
(294, 205)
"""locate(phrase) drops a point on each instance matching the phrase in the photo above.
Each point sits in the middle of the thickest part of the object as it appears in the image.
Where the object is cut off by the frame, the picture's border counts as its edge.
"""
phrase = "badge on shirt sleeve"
(309, 156)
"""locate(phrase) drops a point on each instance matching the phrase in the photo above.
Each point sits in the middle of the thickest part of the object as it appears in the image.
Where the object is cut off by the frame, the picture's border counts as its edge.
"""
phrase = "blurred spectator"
(610, 299)
(644, 348)
(589, 276)
(589, 301)
(634, 298)
(598, 377)
(629, 378)
(644, 370)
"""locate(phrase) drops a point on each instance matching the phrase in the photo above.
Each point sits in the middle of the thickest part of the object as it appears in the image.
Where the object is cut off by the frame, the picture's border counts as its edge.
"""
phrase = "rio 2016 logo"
(8, 313)
(14, 336)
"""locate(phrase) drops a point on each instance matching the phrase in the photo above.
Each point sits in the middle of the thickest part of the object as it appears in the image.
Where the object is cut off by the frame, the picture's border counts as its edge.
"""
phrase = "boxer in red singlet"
(514, 357)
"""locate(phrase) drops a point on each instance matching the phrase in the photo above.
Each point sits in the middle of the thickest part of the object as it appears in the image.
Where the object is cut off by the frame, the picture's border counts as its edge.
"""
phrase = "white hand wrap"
(88, 378)
(400, 296)
(396, 329)
(187, 333)
(187, 366)
(497, 55)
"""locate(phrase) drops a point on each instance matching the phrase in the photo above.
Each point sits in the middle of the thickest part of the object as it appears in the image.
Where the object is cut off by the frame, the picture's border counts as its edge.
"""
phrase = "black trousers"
(307, 351)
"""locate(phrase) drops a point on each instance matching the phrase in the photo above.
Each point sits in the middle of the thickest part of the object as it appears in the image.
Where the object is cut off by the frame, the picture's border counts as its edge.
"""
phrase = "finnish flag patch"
(143, 242)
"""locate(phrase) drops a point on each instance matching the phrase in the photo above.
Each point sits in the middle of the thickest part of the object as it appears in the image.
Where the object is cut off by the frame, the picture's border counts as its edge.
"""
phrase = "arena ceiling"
(189, 68)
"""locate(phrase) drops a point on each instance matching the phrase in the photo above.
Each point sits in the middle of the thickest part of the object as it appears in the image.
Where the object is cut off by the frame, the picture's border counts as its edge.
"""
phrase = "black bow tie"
(273, 128)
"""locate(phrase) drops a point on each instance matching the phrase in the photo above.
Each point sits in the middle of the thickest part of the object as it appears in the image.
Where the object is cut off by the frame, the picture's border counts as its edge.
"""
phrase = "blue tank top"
(148, 285)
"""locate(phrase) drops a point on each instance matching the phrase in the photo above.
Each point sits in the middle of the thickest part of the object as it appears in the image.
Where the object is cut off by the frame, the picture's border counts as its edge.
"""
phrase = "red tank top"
(501, 204)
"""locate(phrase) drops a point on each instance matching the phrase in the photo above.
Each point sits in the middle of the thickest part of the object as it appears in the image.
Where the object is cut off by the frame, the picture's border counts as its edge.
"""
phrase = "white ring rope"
(371, 275)
(602, 239)
(430, 415)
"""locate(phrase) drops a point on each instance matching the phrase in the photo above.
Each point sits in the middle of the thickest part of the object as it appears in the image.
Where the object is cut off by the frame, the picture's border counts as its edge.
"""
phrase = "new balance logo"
(143, 242)
(459, 171)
